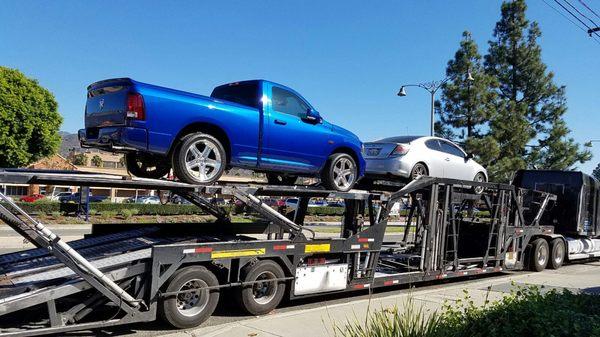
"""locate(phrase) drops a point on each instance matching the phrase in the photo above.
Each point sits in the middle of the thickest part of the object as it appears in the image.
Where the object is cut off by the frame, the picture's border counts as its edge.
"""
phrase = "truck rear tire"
(557, 253)
(539, 255)
(261, 297)
(190, 309)
(340, 173)
(199, 159)
(146, 166)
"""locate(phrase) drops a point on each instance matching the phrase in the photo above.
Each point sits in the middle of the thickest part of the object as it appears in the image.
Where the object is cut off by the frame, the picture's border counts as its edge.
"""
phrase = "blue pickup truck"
(257, 125)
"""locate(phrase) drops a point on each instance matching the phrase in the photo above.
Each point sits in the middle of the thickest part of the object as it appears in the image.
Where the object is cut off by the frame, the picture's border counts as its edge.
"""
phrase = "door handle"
(280, 122)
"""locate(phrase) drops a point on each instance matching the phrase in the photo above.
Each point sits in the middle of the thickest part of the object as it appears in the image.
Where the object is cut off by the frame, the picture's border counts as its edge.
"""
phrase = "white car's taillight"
(399, 150)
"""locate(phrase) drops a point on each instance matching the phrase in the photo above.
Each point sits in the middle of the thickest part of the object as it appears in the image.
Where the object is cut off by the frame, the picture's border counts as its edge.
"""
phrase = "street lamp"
(432, 87)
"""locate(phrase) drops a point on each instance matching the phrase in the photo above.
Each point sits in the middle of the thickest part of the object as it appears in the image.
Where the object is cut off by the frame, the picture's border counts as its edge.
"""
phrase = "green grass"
(336, 229)
(526, 311)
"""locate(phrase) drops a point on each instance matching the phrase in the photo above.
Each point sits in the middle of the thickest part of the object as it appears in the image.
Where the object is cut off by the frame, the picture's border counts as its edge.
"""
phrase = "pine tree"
(527, 127)
(465, 104)
(596, 172)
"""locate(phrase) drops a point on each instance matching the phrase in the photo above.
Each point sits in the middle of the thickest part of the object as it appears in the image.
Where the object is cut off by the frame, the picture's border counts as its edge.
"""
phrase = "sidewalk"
(320, 321)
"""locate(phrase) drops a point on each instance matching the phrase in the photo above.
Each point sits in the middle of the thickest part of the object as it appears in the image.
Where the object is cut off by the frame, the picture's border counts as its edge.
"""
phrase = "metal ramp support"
(269, 213)
(43, 237)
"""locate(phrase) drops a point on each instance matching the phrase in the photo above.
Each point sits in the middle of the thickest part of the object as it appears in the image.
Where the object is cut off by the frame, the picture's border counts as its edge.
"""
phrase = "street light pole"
(432, 87)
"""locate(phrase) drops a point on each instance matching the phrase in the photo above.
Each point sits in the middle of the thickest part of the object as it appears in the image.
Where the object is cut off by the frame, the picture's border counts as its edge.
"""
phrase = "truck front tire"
(146, 166)
(262, 292)
(199, 159)
(190, 308)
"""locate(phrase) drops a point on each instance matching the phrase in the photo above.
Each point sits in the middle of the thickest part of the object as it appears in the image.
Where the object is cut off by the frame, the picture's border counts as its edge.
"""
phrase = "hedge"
(167, 209)
(526, 311)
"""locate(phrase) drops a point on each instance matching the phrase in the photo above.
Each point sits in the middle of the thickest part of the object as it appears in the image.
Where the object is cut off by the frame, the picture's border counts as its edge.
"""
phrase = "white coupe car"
(412, 156)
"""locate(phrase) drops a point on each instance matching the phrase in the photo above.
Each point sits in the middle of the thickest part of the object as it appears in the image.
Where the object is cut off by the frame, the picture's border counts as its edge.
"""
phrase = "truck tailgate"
(107, 103)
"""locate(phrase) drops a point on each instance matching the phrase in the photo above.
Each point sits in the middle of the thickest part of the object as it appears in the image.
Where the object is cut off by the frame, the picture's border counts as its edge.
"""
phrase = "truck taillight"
(135, 106)
(399, 150)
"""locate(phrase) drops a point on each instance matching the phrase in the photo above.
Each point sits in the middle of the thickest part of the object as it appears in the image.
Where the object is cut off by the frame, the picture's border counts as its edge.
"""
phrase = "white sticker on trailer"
(317, 279)
(355, 247)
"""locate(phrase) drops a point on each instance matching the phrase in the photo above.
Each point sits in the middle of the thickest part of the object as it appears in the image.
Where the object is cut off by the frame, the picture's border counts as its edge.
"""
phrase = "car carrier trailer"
(127, 273)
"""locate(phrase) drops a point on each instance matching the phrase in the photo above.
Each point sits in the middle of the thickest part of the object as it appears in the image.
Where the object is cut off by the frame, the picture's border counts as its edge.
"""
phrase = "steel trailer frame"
(436, 210)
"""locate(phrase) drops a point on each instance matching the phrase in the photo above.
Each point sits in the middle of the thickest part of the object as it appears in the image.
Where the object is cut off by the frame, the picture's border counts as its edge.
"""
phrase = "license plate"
(373, 152)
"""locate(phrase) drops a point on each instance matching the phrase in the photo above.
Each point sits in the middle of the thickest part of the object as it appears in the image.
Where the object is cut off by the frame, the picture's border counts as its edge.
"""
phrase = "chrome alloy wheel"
(203, 160)
(189, 302)
(480, 178)
(559, 253)
(344, 173)
(265, 288)
(418, 171)
(542, 254)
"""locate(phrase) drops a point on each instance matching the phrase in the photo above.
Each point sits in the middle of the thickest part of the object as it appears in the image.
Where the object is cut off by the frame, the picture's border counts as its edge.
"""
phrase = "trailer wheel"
(539, 255)
(190, 309)
(557, 253)
(264, 293)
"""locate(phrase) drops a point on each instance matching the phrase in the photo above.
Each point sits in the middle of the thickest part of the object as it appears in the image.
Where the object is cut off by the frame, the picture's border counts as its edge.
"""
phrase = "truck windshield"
(244, 93)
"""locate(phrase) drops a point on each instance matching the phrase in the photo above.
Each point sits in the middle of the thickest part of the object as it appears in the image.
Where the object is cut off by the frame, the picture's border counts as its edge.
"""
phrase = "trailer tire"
(261, 298)
(539, 255)
(188, 310)
(557, 253)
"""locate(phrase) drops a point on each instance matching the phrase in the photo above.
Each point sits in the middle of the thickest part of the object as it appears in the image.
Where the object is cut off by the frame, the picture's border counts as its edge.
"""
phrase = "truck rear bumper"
(118, 138)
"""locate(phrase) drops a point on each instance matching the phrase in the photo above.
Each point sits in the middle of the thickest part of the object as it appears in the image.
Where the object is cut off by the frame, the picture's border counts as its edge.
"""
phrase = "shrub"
(129, 212)
(526, 311)
(409, 321)
(56, 214)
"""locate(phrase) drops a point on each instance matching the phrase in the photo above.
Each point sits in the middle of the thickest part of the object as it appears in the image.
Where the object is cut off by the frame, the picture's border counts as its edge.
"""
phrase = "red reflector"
(135, 106)
(203, 250)
(279, 247)
(388, 283)
(363, 239)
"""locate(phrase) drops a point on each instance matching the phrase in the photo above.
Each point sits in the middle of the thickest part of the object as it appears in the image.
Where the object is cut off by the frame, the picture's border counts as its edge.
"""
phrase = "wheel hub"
(344, 173)
(203, 160)
(265, 288)
(192, 298)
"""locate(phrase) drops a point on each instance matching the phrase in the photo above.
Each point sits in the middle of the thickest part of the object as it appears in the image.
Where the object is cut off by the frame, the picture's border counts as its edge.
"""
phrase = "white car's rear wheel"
(418, 170)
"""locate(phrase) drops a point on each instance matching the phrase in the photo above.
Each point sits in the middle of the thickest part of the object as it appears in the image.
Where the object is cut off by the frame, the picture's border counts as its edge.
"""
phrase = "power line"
(588, 7)
(580, 13)
(576, 17)
(570, 20)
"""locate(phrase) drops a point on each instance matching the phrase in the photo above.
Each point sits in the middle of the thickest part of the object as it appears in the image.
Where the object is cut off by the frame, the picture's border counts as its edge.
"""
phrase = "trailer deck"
(448, 232)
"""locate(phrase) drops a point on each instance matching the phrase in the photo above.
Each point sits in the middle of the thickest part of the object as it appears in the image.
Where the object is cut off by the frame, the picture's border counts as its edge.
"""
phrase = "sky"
(348, 58)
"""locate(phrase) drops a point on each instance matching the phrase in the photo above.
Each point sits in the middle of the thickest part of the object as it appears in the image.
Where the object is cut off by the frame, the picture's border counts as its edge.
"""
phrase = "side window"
(451, 149)
(286, 102)
(433, 144)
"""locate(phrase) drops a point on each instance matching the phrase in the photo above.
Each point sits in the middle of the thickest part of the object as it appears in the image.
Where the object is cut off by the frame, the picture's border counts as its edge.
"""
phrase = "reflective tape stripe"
(198, 250)
(237, 253)
(283, 247)
(323, 247)
(366, 240)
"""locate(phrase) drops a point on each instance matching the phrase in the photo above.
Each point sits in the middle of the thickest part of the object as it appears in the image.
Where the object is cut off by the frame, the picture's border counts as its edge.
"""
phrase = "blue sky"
(346, 57)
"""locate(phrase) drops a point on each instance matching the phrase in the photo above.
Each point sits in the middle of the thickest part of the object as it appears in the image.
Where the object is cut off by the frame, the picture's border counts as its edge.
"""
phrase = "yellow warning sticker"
(323, 247)
(237, 253)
